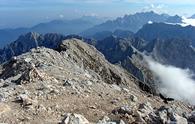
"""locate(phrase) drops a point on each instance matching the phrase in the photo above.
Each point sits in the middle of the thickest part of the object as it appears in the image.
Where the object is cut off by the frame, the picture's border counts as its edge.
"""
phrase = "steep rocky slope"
(46, 86)
(177, 52)
(125, 53)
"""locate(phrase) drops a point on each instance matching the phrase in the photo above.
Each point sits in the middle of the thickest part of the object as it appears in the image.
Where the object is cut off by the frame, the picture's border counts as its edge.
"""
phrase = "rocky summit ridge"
(75, 84)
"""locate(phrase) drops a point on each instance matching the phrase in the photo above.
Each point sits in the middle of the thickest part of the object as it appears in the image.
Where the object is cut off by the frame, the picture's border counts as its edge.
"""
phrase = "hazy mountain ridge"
(64, 27)
(131, 22)
(89, 26)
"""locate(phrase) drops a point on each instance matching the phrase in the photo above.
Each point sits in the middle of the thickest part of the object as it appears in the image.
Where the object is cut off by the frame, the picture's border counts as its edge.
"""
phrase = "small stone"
(89, 83)
(74, 119)
(123, 110)
(125, 90)
(69, 83)
(114, 101)
(133, 98)
(178, 119)
(2, 98)
(27, 60)
(92, 107)
(41, 108)
(121, 122)
(116, 87)
(191, 117)
(145, 108)
(162, 116)
(55, 91)
(139, 119)
(105, 119)
(25, 100)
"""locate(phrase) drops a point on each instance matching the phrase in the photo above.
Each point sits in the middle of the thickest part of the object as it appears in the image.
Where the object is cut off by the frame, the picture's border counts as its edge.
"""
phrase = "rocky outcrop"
(89, 58)
(43, 85)
(75, 119)
(26, 42)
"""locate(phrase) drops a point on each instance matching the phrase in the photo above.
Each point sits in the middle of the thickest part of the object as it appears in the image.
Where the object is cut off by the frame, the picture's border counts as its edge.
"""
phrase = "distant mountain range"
(90, 27)
(120, 45)
(64, 27)
(132, 22)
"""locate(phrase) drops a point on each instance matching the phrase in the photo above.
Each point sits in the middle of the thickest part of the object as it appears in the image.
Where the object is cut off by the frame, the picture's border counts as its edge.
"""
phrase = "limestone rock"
(145, 108)
(123, 110)
(191, 117)
(25, 100)
(107, 120)
(133, 98)
(71, 118)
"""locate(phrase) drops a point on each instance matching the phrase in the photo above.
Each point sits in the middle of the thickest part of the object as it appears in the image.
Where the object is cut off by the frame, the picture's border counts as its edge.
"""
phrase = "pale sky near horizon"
(24, 13)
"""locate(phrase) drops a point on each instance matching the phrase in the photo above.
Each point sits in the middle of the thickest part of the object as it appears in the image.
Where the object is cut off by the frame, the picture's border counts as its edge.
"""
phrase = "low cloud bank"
(174, 82)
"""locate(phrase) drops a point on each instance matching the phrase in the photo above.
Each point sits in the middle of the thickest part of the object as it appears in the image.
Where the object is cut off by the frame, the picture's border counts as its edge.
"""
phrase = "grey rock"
(191, 117)
(107, 120)
(25, 100)
(133, 98)
(123, 110)
(71, 118)
(116, 87)
(69, 83)
(162, 115)
(167, 115)
(2, 98)
(178, 119)
(145, 108)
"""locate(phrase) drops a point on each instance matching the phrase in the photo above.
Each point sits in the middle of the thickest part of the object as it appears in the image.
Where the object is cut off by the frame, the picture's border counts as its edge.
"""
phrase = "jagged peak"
(32, 35)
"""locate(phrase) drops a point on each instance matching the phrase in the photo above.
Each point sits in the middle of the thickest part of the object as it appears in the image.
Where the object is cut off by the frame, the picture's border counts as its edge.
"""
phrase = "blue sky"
(17, 13)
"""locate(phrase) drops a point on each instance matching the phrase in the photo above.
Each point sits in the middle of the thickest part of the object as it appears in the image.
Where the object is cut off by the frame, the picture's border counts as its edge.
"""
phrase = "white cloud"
(158, 8)
(175, 82)
(188, 21)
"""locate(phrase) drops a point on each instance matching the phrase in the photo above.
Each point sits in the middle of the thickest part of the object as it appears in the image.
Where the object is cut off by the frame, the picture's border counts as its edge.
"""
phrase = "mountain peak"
(132, 22)
(32, 35)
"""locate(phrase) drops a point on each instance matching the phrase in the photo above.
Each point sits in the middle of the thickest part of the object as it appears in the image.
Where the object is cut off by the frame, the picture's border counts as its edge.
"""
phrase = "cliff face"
(177, 52)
